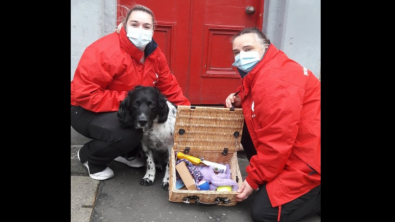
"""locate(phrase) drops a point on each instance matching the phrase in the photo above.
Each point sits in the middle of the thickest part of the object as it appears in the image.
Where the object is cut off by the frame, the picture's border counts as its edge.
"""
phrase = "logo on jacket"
(305, 71)
(156, 79)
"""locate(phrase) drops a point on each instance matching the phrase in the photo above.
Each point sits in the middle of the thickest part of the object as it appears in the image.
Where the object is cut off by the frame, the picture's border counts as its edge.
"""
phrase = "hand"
(244, 191)
(232, 100)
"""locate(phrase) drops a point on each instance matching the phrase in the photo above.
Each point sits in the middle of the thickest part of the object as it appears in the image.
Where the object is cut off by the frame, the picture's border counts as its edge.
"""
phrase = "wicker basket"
(213, 134)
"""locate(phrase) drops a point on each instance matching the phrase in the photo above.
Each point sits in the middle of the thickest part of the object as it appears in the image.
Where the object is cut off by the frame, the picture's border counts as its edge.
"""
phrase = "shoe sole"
(92, 175)
(121, 160)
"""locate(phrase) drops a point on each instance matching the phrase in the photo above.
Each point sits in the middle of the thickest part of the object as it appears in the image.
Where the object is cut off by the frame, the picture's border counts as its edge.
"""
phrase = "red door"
(196, 39)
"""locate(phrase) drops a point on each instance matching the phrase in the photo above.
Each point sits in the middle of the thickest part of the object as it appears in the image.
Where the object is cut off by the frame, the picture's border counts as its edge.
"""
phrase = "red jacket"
(281, 102)
(111, 66)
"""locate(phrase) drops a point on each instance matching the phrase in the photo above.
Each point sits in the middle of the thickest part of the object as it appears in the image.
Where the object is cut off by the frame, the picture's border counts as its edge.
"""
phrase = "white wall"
(294, 26)
(302, 35)
(90, 20)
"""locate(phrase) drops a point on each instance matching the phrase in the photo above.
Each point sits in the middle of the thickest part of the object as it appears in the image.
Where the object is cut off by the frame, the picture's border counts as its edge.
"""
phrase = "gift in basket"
(203, 163)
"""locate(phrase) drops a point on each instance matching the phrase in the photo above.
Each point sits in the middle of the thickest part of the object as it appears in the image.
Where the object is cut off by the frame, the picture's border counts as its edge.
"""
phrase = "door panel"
(164, 36)
(212, 76)
(196, 38)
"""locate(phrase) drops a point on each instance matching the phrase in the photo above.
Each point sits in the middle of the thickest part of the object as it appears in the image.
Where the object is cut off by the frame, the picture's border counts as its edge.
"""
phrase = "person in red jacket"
(107, 70)
(281, 102)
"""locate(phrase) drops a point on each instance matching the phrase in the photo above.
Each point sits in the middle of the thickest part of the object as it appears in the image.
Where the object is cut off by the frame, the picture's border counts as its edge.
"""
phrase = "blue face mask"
(245, 61)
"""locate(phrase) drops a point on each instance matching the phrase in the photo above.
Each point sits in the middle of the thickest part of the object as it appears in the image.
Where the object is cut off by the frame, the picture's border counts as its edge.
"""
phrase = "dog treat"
(218, 168)
(186, 176)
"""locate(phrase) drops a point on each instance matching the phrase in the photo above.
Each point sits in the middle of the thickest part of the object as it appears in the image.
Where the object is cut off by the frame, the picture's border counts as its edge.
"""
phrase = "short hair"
(260, 36)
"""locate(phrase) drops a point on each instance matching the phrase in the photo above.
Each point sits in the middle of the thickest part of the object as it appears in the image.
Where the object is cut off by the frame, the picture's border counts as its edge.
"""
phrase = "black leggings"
(109, 140)
(262, 210)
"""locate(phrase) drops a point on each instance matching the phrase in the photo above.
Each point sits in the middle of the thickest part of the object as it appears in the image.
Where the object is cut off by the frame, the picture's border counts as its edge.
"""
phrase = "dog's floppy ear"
(163, 108)
(124, 117)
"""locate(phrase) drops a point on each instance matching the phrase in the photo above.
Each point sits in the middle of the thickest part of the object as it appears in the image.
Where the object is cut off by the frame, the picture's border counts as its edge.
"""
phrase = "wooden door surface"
(195, 36)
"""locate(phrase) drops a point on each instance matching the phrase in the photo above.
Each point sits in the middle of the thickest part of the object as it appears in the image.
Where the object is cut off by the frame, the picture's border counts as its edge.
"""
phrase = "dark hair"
(140, 8)
(261, 37)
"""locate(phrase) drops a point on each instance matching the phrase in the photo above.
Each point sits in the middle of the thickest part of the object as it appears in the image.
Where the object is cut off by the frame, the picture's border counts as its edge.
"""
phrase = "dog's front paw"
(165, 186)
(146, 182)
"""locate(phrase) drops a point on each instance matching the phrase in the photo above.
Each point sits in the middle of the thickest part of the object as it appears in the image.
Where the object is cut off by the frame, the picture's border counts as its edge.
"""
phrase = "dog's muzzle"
(142, 122)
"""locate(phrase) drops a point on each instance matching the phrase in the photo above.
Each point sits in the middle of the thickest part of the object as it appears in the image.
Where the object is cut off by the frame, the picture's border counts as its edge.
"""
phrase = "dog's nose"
(142, 122)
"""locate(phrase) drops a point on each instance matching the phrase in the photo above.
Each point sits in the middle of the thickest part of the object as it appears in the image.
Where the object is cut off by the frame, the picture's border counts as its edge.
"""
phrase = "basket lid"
(208, 128)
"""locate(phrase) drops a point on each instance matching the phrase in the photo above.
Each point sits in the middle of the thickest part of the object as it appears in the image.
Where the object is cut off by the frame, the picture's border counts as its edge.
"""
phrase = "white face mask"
(139, 37)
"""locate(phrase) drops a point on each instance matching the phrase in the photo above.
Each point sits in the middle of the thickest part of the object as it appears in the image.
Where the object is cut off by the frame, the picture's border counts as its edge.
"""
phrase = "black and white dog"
(148, 109)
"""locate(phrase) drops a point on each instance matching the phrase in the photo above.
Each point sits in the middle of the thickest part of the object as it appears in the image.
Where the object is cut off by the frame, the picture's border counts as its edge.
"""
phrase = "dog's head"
(141, 107)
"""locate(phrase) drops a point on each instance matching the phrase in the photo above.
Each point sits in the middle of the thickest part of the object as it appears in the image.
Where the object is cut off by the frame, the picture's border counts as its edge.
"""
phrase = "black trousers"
(262, 210)
(109, 139)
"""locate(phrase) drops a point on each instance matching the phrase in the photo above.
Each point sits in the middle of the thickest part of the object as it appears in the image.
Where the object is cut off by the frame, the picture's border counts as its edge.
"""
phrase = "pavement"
(123, 199)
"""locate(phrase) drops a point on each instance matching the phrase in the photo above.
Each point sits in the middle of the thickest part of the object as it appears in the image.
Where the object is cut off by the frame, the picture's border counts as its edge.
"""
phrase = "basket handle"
(197, 201)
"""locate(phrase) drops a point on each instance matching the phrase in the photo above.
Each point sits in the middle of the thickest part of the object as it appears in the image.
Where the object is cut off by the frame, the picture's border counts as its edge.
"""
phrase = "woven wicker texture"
(206, 132)
(208, 128)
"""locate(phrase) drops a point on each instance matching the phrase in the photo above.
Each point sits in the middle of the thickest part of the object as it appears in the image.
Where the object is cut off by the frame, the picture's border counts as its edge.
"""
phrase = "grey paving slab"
(83, 195)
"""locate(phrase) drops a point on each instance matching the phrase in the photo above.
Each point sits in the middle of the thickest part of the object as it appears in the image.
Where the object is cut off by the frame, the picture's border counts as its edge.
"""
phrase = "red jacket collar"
(270, 53)
(128, 46)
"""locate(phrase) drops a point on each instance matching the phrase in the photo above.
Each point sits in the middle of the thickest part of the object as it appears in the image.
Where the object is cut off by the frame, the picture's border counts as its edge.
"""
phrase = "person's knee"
(257, 214)
(127, 140)
(120, 144)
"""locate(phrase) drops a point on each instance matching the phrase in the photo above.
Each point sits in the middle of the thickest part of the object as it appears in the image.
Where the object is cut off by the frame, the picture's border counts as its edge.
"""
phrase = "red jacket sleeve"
(168, 84)
(91, 78)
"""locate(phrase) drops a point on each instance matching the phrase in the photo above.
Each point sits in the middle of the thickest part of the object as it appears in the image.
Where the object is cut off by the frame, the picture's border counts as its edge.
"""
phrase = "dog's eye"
(135, 104)
(151, 105)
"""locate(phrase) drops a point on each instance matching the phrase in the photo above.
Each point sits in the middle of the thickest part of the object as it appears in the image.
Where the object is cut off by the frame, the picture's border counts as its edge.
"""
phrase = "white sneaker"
(103, 175)
(136, 161)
